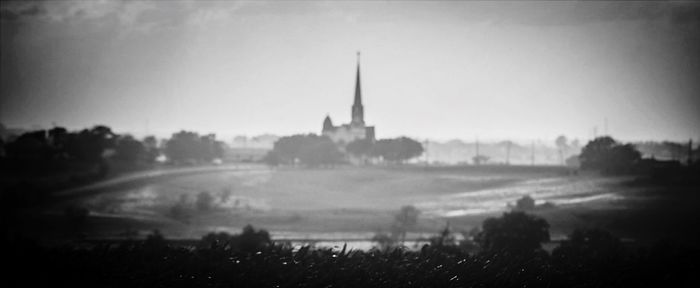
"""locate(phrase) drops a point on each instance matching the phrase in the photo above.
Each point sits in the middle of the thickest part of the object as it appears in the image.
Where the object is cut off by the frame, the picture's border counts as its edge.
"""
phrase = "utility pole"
(532, 155)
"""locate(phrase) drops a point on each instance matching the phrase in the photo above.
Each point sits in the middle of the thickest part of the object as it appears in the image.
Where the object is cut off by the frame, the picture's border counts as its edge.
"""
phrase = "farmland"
(354, 203)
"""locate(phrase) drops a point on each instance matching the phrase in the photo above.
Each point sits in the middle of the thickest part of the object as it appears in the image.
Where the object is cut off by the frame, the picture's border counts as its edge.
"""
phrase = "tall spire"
(357, 109)
(358, 89)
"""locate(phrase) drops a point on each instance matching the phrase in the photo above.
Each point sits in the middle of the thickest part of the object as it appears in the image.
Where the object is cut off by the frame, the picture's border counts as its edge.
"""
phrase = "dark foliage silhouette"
(360, 147)
(250, 240)
(589, 258)
(310, 150)
(190, 147)
(525, 203)
(609, 156)
(589, 248)
(513, 233)
(397, 150)
(405, 219)
(129, 149)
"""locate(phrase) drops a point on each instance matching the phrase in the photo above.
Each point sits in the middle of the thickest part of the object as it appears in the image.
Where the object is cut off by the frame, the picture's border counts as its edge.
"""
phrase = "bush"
(609, 156)
(525, 203)
(250, 240)
(513, 233)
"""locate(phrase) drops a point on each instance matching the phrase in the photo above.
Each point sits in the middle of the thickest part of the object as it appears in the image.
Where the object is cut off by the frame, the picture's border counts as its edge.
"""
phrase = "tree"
(525, 203)
(209, 148)
(310, 150)
(89, 144)
(588, 249)
(249, 241)
(406, 218)
(594, 154)
(321, 151)
(272, 158)
(397, 150)
(187, 146)
(151, 153)
(606, 154)
(58, 137)
(514, 233)
(287, 149)
(360, 147)
(129, 149)
(562, 146)
(182, 146)
(30, 145)
(252, 240)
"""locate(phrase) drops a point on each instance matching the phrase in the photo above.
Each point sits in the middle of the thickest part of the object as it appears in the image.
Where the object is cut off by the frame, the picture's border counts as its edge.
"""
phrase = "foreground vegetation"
(589, 258)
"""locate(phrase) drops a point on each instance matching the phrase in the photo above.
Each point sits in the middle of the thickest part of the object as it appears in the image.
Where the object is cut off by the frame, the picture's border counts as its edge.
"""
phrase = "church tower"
(358, 114)
(356, 129)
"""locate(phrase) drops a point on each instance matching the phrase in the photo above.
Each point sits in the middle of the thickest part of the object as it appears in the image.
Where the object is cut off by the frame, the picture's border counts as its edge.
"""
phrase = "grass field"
(349, 203)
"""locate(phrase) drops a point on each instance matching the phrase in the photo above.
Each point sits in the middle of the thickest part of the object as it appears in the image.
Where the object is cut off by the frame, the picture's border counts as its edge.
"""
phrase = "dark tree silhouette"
(187, 146)
(273, 158)
(58, 138)
(151, 153)
(129, 149)
(397, 150)
(321, 152)
(89, 144)
(594, 246)
(310, 149)
(607, 155)
(514, 233)
(525, 203)
(250, 240)
(404, 220)
(590, 254)
(360, 147)
(30, 145)
(182, 146)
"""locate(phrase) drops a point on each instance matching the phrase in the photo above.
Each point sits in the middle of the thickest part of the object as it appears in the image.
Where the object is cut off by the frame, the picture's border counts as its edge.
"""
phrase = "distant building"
(356, 129)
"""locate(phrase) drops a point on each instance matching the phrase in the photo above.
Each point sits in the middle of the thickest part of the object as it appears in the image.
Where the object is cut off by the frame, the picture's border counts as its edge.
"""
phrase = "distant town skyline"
(440, 70)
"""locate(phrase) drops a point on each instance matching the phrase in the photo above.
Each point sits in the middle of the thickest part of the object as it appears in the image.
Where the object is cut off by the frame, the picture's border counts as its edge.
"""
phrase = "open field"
(351, 203)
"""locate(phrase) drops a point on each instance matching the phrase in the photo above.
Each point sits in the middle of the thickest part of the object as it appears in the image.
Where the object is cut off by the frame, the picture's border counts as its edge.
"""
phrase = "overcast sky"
(443, 70)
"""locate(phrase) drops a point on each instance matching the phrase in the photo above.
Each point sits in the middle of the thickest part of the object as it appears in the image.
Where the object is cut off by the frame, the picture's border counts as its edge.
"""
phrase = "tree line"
(314, 150)
(100, 145)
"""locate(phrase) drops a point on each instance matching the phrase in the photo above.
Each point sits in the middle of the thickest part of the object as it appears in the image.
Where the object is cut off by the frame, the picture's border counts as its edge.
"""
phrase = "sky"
(438, 70)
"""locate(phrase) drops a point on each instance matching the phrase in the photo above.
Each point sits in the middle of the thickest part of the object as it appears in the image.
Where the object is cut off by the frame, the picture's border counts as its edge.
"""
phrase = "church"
(356, 129)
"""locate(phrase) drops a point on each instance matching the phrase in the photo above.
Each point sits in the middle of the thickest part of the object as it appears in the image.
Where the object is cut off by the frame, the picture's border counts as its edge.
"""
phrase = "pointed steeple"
(327, 124)
(358, 88)
(357, 109)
